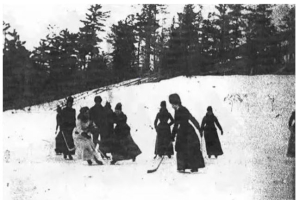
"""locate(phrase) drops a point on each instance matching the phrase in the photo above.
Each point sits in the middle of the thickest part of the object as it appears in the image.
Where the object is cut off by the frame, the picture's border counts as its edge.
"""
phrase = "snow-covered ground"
(253, 112)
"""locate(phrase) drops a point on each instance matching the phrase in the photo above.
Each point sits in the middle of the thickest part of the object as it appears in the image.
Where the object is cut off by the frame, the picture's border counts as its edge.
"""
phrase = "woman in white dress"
(82, 135)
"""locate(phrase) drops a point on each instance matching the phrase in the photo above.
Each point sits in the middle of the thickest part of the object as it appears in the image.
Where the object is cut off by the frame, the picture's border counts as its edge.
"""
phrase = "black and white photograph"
(184, 100)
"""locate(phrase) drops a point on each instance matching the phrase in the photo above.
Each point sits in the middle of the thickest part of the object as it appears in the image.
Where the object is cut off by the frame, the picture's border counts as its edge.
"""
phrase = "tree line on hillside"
(235, 39)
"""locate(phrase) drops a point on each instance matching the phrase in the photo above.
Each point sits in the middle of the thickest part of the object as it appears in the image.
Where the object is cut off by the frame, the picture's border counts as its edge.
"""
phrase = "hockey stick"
(67, 143)
(154, 170)
(96, 149)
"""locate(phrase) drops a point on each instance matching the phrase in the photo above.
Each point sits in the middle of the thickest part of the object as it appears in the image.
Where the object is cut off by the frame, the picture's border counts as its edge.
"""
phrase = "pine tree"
(261, 40)
(147, 25)
(287, 32)
(122, 38)
(236, 28)
(208, 45)
(222, 23)
(174, 53)
(88, 36)
(189, 24)
(18, 73)
(183, 46)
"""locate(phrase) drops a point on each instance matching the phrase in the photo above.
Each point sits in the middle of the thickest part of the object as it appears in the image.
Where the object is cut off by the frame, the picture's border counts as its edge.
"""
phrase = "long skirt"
(163, 144)
(64, 142)
(187, 146)
(291, 145)
(124, 148)
(85, 149)
(59, 143)
(212, 142)
(106, 144)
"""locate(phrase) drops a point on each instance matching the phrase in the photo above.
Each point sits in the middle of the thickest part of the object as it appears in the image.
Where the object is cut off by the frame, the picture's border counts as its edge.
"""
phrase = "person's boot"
(209, 156)
(113, 162)
(169, 156)
(181, 171)
(194, 170)
(98, 161)
(70, 157)
(57, 152)
(65, 156)
(216, 156)
(133, 159)
(90, 162)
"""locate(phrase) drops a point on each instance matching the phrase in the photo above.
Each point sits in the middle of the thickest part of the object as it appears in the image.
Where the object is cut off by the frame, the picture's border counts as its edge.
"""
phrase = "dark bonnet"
(174, 99)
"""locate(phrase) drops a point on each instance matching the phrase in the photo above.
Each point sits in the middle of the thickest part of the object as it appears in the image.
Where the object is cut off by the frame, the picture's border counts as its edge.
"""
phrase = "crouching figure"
(82, 135)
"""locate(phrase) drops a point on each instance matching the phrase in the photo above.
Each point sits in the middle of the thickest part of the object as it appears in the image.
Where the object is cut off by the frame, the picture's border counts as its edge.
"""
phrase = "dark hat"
(118, 106)
(97, 99)
(174, 99)
(70, 99)
(107, 105)
(83, 109)
(209, 109)
(163, 104)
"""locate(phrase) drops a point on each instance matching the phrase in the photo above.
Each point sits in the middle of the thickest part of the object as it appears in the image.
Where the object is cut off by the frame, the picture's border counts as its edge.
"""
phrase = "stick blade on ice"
(151, 171)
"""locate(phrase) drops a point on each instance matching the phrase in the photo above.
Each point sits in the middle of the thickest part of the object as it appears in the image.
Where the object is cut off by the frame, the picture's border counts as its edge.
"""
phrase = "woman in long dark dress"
(124, 148)
(291, 145)
(66, 145)
(212, 142)
(105, 144)
(187, 145)
(163, 145)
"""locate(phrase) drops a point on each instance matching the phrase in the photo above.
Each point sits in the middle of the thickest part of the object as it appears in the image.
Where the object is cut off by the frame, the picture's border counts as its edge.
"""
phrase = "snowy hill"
(253, 112)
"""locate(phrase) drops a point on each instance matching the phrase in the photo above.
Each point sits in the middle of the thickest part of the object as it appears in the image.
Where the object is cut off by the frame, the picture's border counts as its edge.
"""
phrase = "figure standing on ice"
(291, 145)
(98, 116)
(58, 140)
(187, 145)
(105, 144)
(82, 135)
(212, 142)
(110, 119)
(66, 142)
(163, 145)
(124, 148)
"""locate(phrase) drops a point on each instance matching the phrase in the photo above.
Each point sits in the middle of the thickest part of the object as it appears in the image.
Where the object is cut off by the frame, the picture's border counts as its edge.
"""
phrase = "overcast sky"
(31, 20)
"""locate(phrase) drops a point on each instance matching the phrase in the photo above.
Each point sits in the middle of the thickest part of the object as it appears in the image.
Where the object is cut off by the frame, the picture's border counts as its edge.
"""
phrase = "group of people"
(187, 143)
(93, 131)
(100, 129)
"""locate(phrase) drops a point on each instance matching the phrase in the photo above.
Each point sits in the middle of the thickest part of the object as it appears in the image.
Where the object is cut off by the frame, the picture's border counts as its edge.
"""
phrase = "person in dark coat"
(109, 119)
(105, 144)
(124, 148)
(291, 145)
(58, 140)
(68, 115)
(187, 145)
(212, 142)
(163, 145)
(98, 116)
(82, 135)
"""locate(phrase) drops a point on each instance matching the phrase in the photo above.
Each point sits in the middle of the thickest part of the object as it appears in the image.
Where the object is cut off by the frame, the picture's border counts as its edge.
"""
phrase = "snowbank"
(253, 112)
